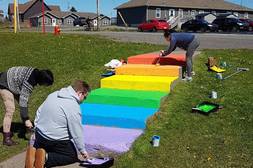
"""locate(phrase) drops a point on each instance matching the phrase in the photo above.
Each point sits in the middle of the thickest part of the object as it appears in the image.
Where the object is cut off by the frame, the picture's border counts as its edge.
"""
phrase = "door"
(53, 22)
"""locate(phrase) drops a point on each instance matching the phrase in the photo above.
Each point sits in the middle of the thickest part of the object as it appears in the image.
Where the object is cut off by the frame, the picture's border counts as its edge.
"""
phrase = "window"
(181, 13)
(189, 12)
(45, 21)
(172, 13)
(105, 22)
(246, 15)
(158, 13)
(69, 21)
(236, 14)
(193, 12)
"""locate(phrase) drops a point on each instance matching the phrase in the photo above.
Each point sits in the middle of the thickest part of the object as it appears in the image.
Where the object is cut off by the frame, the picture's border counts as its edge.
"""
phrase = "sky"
(106, 6)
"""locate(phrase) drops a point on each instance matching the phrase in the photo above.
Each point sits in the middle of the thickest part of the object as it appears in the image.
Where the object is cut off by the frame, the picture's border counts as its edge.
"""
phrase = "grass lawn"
(69, 57)
(222, 139)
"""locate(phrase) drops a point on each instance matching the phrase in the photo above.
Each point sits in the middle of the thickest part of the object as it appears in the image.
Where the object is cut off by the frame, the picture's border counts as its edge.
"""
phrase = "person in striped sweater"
(18, 83)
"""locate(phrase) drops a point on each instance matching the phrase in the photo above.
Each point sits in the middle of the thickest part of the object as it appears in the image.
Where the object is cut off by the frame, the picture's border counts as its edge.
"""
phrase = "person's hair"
(81, 86)
(168, 32)
(45, 77)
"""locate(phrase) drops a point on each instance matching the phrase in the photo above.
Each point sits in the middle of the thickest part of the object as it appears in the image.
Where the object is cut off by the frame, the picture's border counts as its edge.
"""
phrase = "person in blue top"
(185, 41)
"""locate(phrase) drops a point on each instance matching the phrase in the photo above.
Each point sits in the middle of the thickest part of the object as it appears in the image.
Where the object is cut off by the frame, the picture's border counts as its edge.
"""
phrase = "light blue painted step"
(116, 116)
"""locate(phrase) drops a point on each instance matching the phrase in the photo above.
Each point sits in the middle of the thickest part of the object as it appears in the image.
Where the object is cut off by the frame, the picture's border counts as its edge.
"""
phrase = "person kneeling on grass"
(186, 41)
(18, 83)
(58, 128)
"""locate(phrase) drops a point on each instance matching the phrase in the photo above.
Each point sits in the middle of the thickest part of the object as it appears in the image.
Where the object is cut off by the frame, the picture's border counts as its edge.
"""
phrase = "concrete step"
(116, 116)
(152, 58)
(149, 70)
(148, 83)
(148, 99)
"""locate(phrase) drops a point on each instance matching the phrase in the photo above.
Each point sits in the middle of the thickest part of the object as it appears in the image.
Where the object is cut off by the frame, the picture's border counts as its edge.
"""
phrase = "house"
(29, 9)
(134, 12)
(209, 17)
(31, 13)
(66, 19)
(1, 16)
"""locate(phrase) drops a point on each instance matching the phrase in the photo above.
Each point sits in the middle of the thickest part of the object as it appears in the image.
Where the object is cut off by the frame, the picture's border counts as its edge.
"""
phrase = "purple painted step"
(109, 139)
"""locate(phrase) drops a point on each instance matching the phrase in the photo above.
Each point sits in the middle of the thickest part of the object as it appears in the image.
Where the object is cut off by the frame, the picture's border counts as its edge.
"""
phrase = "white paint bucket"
(214, 95)
(155, 140)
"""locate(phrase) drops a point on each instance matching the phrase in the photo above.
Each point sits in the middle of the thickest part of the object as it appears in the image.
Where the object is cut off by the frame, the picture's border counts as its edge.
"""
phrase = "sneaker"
(30, 157)
(193, 73)
(40, 158)
(187, 79)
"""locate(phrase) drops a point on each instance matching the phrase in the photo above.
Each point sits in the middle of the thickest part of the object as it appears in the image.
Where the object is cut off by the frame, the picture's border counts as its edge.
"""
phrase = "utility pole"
(98, 17)
(15, 16)
(43, 16)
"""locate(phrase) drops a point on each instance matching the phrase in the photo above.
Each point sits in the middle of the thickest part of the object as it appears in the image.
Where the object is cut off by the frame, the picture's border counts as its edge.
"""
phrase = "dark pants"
(189, 53)
(59, 153)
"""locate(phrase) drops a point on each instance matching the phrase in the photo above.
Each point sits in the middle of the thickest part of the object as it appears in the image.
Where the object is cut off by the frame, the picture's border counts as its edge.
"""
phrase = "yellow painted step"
(149, 70)
(130, 82)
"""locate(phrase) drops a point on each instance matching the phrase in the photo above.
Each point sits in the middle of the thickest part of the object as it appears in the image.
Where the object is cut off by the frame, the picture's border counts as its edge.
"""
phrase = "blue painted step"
(116, 116)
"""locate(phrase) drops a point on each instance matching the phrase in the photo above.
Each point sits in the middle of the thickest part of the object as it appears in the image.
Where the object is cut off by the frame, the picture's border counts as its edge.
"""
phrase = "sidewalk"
(18, 161)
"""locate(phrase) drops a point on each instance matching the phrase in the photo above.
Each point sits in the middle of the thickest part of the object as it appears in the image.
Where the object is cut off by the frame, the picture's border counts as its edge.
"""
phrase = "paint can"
(155, 140)
(214, 95)
(219, 76)
(223, 64)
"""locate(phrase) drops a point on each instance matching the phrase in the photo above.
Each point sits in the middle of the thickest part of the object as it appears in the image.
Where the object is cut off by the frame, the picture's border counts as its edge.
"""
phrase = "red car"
(250, 22)
(154, 25)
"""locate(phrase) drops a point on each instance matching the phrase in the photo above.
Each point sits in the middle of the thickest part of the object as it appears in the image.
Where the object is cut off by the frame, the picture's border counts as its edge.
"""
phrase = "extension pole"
(15, 16)
(98, 15)
(43, 17)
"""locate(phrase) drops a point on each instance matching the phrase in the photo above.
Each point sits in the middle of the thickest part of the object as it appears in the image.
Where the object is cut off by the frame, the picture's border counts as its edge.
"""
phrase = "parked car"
(81, 21)
(250, 22)
(198, 25)
(154, 25)
(231, 24)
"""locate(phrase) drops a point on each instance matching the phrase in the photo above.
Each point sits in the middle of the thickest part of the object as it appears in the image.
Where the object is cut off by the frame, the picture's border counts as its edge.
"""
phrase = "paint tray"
(98, 163)
(206, 107)
(107, 74)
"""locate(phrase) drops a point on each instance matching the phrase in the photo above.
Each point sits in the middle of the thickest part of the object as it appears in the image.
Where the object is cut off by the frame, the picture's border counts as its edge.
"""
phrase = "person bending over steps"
(18, 83)
(185, 41)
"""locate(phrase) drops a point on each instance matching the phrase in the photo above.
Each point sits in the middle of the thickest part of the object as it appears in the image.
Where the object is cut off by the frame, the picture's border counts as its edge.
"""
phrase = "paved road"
(208, 40)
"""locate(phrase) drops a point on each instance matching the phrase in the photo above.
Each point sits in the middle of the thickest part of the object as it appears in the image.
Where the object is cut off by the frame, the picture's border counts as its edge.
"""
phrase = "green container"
(206, 107)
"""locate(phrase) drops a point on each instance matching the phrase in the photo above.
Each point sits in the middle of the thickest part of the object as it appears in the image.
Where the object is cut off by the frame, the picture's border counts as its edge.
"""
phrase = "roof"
(224, 15)
(24, 7)
(204, 14)
(54, 7)
(60, 14)
(197, 4)
(86, 14)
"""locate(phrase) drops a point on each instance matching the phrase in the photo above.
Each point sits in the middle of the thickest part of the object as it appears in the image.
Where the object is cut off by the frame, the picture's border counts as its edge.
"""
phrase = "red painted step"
(151, 58)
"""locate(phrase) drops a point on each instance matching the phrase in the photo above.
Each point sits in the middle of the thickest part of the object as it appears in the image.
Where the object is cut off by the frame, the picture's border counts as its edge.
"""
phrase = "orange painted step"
(149, 70)
(151, 58)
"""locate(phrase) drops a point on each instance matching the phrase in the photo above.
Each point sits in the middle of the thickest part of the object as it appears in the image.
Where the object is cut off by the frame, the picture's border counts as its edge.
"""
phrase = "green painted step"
(149, 99)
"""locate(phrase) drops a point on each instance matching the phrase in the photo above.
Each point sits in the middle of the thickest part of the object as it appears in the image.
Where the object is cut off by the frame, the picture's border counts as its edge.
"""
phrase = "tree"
(73, 9)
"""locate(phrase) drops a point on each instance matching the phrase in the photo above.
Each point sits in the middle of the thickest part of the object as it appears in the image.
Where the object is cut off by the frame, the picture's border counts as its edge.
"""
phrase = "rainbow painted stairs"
(116, 114)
